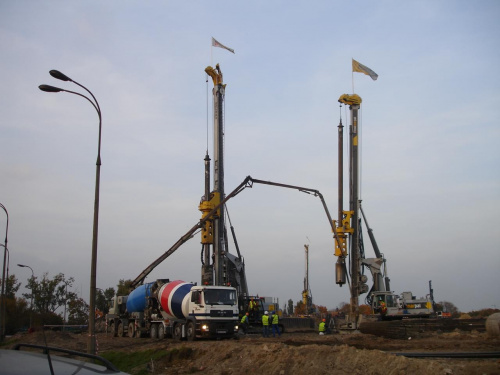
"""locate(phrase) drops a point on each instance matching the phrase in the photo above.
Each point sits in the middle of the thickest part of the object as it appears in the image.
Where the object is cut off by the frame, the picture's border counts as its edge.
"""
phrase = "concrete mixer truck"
(177, 309)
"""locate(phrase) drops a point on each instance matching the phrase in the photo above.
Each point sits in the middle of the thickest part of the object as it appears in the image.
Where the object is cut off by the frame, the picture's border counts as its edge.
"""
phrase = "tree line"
(51, 301)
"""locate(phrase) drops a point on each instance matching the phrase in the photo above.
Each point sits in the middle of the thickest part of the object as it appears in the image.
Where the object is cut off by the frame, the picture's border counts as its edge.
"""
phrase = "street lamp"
(33, 278)
(58, 75)
(2, 304)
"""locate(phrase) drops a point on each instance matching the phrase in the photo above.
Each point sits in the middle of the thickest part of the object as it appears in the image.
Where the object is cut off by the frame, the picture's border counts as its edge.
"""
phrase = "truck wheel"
(178, 332)
(112, 329)
(131, 330)
(190, 331)
(153, 331)
(161, 331)
(120, 330)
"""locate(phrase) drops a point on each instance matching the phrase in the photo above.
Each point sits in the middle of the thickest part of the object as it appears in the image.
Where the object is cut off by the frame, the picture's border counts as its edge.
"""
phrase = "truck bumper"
(217, 329)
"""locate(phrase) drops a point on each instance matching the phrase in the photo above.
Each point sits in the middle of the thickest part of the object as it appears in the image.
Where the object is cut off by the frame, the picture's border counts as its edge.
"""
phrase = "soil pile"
(296, 353)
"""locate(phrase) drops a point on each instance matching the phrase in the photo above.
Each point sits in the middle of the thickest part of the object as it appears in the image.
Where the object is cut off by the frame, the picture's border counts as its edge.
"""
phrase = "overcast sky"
(429, 143)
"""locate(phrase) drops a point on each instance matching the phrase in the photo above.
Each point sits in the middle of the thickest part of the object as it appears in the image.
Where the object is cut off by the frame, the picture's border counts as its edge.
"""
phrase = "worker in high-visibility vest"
(383, 310)
(252, 305)
(244, 323)
(265, 324)
(274, 322)
(322, 327)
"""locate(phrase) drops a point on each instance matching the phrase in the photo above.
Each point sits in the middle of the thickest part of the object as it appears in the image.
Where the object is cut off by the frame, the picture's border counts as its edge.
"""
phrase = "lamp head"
(48, 88)
(58, 75)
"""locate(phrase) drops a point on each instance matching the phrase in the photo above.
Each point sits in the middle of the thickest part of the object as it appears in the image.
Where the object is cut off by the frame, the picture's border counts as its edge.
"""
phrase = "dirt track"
(299, 353)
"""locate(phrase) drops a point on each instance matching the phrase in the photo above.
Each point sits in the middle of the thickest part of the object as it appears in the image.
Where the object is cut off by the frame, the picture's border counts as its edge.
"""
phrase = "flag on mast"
(217, 44)
(357, 67)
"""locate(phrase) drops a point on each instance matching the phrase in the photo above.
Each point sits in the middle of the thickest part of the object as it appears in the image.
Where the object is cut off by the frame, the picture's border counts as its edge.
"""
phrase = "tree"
(365, 309)
(11, 287)
(300, 308)
(78, 311)
(322, 309)
(16, 310)
(449, 307)
(123, 287)
(344, 307)
(484, 313)
(48, 295)
(290, 307)
(102, 299)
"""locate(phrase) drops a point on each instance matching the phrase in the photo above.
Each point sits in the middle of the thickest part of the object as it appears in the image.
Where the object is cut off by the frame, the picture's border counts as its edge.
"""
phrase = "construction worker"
(274, 321)
(383, 310)
(322, 327)
(252, 305)
(265, 324)
(245, 323)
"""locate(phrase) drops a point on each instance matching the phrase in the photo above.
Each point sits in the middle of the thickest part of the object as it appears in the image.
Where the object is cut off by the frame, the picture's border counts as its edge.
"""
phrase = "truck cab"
(213, 312)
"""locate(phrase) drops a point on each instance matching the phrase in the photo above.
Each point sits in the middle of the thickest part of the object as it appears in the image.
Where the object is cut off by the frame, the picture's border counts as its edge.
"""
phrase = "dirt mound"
(294, 353)
(283, 359)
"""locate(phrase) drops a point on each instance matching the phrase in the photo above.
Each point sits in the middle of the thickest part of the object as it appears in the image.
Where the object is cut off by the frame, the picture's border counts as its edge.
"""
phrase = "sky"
(430, 176)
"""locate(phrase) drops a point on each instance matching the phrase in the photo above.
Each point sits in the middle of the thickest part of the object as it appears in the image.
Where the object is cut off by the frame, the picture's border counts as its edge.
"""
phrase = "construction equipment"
(306, 293)
(350, 246)
(175, 309)
(220, 267)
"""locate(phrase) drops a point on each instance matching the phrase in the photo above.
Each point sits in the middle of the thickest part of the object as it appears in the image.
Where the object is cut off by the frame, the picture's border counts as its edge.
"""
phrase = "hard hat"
(265, 313)
(324, 320)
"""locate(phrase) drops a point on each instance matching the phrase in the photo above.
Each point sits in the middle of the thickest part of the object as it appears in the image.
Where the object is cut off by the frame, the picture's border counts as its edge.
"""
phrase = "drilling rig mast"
(306, 293)
(219, 267)
(348, 221)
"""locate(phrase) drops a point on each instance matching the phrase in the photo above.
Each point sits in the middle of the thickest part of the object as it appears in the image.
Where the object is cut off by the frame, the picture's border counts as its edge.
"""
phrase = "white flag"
(217, 44)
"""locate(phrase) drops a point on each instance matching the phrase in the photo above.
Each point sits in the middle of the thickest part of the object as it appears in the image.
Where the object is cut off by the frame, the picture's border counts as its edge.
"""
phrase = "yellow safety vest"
(275, 319)
(265, 320)
(244, 319)
(322, 326)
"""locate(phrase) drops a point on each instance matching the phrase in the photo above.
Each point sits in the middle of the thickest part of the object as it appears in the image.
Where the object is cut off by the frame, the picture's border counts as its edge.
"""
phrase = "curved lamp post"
(5, 266)
(33, 277)
(57, 74)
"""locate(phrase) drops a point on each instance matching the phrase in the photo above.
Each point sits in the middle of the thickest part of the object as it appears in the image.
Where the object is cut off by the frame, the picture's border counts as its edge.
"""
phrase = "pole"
(93, 264)
(2, 305)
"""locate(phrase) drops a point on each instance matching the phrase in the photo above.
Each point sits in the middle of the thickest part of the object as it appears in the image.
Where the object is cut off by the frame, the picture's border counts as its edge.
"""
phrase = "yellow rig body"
(207, 234)
(342, 231)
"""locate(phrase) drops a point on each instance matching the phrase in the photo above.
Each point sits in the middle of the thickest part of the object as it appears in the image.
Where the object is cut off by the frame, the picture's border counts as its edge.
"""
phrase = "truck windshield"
(220, 297)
